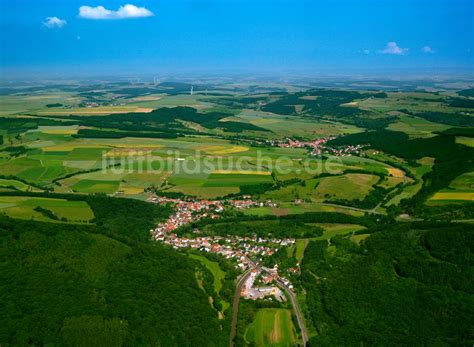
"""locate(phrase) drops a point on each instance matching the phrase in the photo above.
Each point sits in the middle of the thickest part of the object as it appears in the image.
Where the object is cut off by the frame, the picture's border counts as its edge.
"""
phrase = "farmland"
(63, 210)
(225, 155)
(317, 173)
(271, 327)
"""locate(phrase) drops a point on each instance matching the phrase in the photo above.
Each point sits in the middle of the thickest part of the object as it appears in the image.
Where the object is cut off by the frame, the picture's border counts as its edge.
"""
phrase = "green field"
(281, 126)
(461, 189)
(425, 165)
(417, 127)
(55, 154)
(468, 141)
(300, 247)
(18, 185)
(91, 186)
(331, 230)
(214, 268)
(349, 186)
(217, 273)
(291, 208)
(271, 327)
(24, 208)
(416, 101)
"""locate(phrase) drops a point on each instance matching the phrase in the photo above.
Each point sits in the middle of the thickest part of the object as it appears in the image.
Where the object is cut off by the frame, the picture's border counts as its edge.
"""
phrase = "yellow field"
(134, 151)
(60, 131)
(128, 190)
(147, 98)
(467, 141)
(221, 150)
(395, 172)
(426, 161)
(241, 172)
(359, 238)
(453, 196)
(68, 148)
(137, 146)
(125, 147)
(351, 104)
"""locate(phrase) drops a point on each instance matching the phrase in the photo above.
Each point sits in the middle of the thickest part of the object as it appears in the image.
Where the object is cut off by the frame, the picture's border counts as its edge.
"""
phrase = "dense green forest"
(165, 121)
(292, 225)
(467, 92)
(406, 285)
(278, 228)
(455, 119)
(329, 104)
(101, 285)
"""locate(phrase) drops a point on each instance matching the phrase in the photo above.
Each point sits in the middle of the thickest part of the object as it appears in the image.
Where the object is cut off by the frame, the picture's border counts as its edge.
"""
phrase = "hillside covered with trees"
(406, 285)
(100, 285)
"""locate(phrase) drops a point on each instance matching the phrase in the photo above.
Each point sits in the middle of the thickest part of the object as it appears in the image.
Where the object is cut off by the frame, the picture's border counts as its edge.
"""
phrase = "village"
(317, 146)
(247, 252)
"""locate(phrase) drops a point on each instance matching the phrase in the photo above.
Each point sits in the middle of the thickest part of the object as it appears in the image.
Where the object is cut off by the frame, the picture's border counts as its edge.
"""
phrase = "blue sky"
(236, 35)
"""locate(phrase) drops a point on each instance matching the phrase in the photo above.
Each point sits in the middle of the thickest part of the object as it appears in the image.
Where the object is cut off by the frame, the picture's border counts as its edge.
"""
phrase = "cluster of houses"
(186, 212)
(91, 104)
(246, 251)
(344, 151)
(317, 146)
(251, 291)
(238, 248)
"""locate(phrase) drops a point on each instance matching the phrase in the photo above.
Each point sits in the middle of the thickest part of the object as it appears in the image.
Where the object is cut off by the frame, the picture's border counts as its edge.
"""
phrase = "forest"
(166, 120)
(424, 268)
(101, 284)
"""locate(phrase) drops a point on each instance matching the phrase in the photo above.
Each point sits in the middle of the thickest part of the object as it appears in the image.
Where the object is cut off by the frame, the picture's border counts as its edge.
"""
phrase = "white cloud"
(427, 49)
(393, 48)
(54, 22)
(126, 11)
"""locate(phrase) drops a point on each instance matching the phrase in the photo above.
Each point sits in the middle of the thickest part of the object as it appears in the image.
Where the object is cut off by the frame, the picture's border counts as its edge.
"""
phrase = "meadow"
(57, 158)
(271, 327)
(416, 127)
(214, 268)
(332, 229)
(461, 189)
(296, 126)
(63, 210)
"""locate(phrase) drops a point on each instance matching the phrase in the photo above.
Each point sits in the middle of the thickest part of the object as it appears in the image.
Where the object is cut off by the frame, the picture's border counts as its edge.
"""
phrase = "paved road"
(299, 316)
(235, 305)
(351, 208)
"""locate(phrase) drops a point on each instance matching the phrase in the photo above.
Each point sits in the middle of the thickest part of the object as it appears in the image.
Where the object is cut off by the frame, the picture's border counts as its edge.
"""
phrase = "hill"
(89, 285)
(406, 285)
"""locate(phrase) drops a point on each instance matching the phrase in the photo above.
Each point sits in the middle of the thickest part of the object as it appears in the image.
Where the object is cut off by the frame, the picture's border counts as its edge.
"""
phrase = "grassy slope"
(214, 268)
(271, 327)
